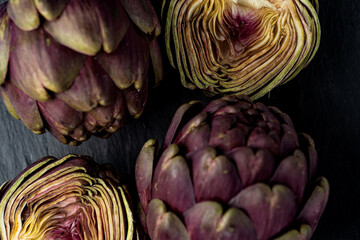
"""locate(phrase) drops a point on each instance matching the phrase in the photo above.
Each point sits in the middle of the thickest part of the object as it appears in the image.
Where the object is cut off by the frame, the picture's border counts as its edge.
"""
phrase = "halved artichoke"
(77, 68)
(240, 46)
(67, 198)
(233, 169)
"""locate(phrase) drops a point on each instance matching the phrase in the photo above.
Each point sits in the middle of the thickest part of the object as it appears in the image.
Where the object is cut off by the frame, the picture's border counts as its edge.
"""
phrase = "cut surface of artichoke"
(67, 198)
(240, 46)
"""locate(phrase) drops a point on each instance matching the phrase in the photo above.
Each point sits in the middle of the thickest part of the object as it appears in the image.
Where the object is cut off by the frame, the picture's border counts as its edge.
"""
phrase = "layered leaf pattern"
(67, 198)
(239, 47)
(78, 68)
(233, 169)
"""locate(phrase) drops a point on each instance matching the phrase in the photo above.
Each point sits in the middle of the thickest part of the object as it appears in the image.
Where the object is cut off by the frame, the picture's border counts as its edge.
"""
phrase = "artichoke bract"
(67, 198)
(77, 68)
(236, 47)
(231, 170)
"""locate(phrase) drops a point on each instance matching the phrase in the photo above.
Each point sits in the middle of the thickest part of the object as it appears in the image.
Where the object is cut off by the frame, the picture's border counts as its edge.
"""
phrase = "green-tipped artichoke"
(71, 198)
(76, 67)
(231, 170)
(240, 46)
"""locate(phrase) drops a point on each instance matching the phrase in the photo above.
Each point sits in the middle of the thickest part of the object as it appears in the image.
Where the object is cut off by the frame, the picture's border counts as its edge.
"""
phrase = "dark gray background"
(323, 100)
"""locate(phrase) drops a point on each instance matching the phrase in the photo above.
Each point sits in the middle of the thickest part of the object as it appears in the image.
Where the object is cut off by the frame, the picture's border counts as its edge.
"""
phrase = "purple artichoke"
(232, 170)
(71, 198)
(77, 68)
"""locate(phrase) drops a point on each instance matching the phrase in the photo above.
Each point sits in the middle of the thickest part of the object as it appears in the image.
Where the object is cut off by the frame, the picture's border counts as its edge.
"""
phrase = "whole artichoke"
(232, 170)
(67, 198)
(239, 47)
(77, 68)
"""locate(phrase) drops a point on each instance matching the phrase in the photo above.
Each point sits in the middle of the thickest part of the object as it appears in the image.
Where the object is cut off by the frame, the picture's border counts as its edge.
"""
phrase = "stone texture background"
(323, 100)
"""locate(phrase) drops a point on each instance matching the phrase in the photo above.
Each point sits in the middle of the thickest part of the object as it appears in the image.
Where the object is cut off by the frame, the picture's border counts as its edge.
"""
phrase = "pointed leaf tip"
(144, 171)
(24, 14)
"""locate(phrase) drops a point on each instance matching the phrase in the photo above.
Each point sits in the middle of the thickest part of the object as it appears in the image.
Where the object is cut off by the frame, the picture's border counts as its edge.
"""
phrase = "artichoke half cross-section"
(77, 68)
(239, 47)
(71, 198)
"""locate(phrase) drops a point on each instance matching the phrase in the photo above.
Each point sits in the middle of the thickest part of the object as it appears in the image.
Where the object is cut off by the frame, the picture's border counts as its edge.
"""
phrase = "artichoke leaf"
(173, 168)
(24, 14)
(316, 203)
(143, 15)
(26, 108)
(77, 28)
(252, 167)
(113, 23)
(144, 171)
(304, 233)
(60, 115)
(181, 115)
(202, 218)
(262, 204)
(50, 9)
(136, 99)
(235, 224)
(6, 100)
(4, 43)
(219, 171)
(129, 63)
(164, 225)
(293, 172)
(174, 172)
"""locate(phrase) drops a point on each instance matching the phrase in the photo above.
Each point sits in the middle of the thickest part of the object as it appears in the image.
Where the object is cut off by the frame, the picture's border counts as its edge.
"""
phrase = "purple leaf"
(211, 173)
(271, 210)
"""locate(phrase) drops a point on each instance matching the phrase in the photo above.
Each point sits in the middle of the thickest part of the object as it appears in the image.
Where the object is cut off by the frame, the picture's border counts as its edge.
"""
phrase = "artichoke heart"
(239, 47)
(67, 198)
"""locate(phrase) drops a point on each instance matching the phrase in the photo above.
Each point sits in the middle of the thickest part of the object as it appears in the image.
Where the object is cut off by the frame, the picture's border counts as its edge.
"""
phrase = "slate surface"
(323, 100)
